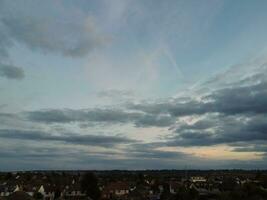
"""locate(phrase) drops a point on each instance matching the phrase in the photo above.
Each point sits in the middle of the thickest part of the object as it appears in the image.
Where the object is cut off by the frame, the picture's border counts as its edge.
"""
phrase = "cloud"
(38, 148)
(247, 99)
(91, 140)
(155, 120)
(116, 96)
(220, 129)
(251, 148)
(99, 116)
(5, 42)
(229, 114)
(112, 93)
(150, 151)
(11, 72)
(247, 73)
(94, 115)
(233, 114)
(34, 153)
(65, 30)
(3, 106)
(24, 156)
(232, 100)
(241, 89)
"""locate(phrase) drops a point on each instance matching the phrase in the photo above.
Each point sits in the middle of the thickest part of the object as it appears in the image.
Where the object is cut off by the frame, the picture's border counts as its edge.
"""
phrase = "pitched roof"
(20, 196)
(118, 186)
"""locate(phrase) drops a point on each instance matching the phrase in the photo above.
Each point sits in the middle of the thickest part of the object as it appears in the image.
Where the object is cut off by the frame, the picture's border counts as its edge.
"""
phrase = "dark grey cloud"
(241, 89)
(151, 151)
(31, 157)
(91, 140)
(19, 153)
(155, 120)
(176, 108)
(247, 147)
(237, 100)
(230, 115)
(50, 116)
(222, 129)
(95, 115)
(11, 72)
(247, 99)
(27, 157)
(235, 115)
(41, 155)
(99, 116)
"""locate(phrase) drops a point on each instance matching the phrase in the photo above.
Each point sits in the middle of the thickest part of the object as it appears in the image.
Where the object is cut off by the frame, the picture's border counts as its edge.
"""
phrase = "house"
(139, 192)
(195, 179)
(73, 191)
(205, 189)
(154, 196)
(20, 195)
(7, 189)
(135, 195)
(48, 191)
(117, 189)
(174, 186)
(29, 189)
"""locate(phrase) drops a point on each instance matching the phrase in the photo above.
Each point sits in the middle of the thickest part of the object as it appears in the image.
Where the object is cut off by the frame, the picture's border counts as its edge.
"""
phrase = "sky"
(132, 84)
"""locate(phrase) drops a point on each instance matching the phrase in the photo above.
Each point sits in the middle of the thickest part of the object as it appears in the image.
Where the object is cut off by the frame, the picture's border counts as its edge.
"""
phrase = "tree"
(57, 193)
(140, 179)
(89, 185)
(229, 184)
(186, 194)
(8, 176)
(37, 195)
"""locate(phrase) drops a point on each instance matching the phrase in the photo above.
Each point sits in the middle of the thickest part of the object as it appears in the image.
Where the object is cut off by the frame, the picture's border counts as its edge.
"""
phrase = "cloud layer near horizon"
(233, 115)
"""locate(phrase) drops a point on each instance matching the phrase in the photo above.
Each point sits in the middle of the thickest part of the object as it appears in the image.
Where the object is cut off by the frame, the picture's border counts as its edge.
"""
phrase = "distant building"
(115, 189)
(195, 179)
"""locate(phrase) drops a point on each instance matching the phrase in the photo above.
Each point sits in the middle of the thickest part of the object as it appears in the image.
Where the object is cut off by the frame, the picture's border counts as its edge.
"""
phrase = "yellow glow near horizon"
(220, 152)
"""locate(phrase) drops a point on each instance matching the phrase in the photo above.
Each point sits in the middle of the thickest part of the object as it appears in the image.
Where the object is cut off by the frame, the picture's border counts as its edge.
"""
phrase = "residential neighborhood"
(134, 185)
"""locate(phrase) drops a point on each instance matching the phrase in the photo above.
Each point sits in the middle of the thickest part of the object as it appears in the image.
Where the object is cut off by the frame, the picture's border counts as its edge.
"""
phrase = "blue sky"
(139, 83)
